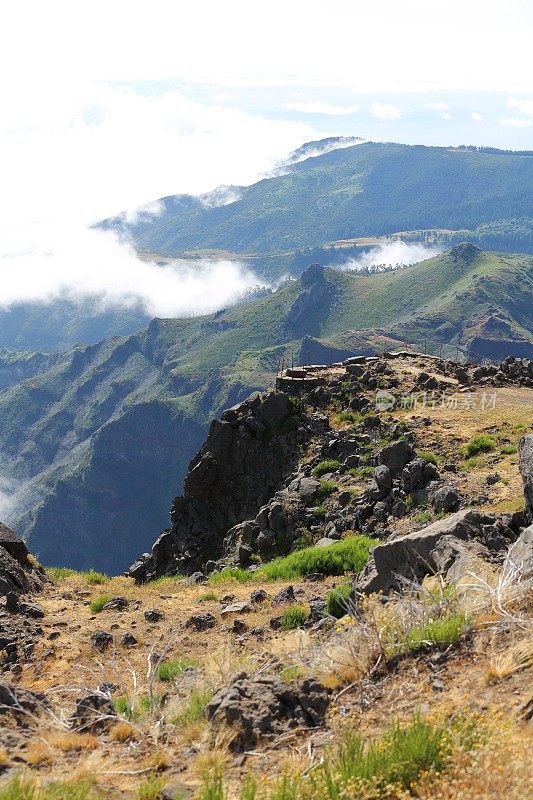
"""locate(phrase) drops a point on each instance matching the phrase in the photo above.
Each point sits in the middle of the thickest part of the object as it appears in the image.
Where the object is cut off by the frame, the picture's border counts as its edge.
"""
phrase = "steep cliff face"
(248, 453)
(101, 516)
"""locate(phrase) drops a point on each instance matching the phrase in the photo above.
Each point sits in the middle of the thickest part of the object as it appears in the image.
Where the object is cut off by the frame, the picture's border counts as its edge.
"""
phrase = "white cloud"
(393, 254)
(516, 122)
(312, 107)
(475, 117)
(44, 264)
(385, 111)
(442, 108)
(523, 106)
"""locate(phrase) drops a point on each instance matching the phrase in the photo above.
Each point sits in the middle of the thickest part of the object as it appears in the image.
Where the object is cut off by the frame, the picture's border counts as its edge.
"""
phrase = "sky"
(106, 106)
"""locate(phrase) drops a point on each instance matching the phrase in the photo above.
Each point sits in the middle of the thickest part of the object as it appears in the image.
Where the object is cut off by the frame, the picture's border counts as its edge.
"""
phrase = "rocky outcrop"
(247, 455)
(18, 572)
(435, 549)
(526, 469)
(259, 707)
(313, 303)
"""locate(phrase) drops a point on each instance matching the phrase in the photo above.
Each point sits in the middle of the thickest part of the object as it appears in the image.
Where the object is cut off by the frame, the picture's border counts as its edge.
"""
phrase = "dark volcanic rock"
(201, 622)
(19, 703)
(267, 706)
(17, 572)
(101, 640)
(526, 468)
(93, 713)
(244, 461)
(284, 596)
(396, 455)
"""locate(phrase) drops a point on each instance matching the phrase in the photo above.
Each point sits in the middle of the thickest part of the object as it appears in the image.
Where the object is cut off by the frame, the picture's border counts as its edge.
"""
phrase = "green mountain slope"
(370, 189)
(98, 443)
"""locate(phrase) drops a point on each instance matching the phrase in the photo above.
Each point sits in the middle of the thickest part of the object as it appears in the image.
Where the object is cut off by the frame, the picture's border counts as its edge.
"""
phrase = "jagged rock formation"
(253, 491)
(247, 455)
(314, 302)
(18, 572)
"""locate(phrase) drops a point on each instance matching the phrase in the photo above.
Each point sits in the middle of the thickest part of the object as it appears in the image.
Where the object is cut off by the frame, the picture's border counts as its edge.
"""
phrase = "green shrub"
(480, 444)
(195, 707)
(294, 617)
(99, 602)
(470, 463)
(170, 669)
(509, 450)
(429, 456)
(347, 555)
(320, 511)
(424, 516)
(338, 600)
(331, 465)
(326, 488)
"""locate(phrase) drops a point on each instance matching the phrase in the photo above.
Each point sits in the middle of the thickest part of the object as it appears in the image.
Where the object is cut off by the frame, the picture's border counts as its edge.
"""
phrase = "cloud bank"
(392, 254)
(82, 263)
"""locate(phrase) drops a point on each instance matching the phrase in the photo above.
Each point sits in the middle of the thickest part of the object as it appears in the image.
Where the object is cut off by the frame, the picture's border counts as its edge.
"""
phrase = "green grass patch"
(361, 472)
(471, 463)
(320, 511)
(26, 788)
(331, 465)
(231, 574)
(429, 456)
(347, 555)
(59, 574)
(94, 578)
(194, 710)
(170, 669)
(293, 673)
(353, 417)
(208, 597)
(326, 488)
(294, 617)
(438, 633)
(151, 788)
(480, 444)
(338, 600)
(99, 602)
(423, 516)
(508, 450)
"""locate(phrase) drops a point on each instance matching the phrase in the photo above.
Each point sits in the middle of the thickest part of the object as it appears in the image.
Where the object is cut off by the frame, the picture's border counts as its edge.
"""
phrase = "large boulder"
(526, 468)
(435, 548)
(258, 707)
(18, 573)
(396, 455)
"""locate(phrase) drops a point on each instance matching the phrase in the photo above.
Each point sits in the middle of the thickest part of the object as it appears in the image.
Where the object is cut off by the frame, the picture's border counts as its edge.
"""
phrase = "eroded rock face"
(18, 703)
(246, 457)
(259, 707)
(526, 468)
(18, 573)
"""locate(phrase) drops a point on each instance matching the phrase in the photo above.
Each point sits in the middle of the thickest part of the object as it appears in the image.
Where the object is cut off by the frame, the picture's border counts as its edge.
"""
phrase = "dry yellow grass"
(39, 753)
(71, 742)
(517, 657)
(123, 732)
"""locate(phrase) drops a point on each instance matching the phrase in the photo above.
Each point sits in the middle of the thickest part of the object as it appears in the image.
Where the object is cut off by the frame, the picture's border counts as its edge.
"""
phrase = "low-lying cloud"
(392, 254)
(46, 263)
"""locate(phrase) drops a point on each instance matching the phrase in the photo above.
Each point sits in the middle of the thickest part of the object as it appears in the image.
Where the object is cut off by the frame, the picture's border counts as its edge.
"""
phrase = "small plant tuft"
(294, 617)
(99, 602)
(331, 465)
(483, 443)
